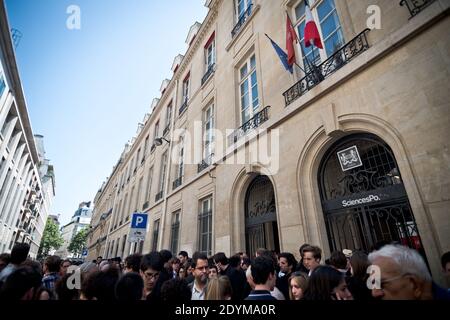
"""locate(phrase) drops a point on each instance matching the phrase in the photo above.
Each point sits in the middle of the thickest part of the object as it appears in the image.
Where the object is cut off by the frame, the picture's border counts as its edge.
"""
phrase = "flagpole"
(301, 48)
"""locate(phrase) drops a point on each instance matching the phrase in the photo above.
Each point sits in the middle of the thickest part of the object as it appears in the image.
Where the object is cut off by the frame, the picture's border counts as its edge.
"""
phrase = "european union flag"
(283, 56)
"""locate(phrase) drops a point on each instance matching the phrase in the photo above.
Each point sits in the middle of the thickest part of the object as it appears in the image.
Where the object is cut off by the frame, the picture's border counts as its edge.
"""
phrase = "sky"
(87, 89)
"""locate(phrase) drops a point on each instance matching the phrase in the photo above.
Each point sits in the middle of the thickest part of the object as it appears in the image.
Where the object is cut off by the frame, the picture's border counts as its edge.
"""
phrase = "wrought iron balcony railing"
(253, 123)
(166, 130)
(159, 196)
(183, 107)
(209, 72)
(340, 58)
(177, 182)
(204, 164)
(415, 6)
(244, 16)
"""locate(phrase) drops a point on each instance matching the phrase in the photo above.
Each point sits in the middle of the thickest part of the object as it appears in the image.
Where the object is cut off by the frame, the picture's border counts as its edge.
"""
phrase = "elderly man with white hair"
(404, 275)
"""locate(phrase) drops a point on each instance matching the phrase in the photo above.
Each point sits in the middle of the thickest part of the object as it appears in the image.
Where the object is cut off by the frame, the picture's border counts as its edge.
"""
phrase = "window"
(241, 7)
(130, 206)
(138, 157)
(205, 226)
(168, 115)
(156, 134)
(329, 27)
(175, 232)
(155, 235)
(149, 184)
(163, 172)
(2, 84)
(145, 147)
(210, 54)
(248, 89)
(139, 192)
(208, 135)
(180, 168)
(186, 89)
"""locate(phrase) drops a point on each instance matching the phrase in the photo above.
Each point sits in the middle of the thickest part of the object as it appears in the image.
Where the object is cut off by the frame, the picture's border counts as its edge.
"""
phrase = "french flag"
(312, 36)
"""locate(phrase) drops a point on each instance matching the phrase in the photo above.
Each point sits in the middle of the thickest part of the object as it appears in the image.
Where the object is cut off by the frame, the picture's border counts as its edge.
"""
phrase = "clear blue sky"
(87, 89)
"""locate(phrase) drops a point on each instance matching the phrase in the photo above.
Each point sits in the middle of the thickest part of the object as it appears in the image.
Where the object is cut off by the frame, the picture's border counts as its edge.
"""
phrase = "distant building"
(80, 220)
(55, 218)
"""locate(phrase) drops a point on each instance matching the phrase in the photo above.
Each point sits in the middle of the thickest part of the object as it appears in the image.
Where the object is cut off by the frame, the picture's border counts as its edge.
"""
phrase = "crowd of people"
(163, 277)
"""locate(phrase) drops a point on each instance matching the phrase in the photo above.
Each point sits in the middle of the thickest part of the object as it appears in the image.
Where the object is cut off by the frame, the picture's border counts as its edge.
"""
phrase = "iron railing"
(209, 72)
(205, 163)
(166, 130)
(415, 6)
(159, 196)
(242, 20)
(183, 107)
(177, 182)
(340, 58)
(253, 123)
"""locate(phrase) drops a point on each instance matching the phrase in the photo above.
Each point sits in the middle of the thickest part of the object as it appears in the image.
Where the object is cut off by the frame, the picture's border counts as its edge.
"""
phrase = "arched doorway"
(363, 196)
(261, 229)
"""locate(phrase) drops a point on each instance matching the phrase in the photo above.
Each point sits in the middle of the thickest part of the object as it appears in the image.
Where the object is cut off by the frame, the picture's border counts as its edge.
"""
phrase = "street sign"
(138, 228)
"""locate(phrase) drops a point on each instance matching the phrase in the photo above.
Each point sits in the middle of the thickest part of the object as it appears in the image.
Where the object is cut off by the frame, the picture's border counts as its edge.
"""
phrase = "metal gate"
(261, 230)
(363, 197)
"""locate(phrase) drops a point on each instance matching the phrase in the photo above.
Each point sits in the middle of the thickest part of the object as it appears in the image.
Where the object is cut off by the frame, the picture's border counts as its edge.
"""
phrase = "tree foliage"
(78, 242)
(51, 239)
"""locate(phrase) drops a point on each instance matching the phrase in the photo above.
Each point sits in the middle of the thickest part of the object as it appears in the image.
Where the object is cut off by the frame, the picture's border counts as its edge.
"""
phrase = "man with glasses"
(404, 275)
(153, 274)
(201, 271)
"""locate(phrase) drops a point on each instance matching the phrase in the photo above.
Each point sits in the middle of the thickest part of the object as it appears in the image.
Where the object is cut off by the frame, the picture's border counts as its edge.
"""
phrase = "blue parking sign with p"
(139, 221)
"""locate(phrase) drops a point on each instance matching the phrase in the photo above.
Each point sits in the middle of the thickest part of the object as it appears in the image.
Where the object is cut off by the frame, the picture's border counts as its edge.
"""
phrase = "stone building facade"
(357, 148)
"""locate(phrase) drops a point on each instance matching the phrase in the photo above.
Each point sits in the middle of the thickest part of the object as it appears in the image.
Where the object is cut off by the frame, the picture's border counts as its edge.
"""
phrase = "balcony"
(166, 130)
(242, 20)
(208, 73)
(204, 164)
(159, 196)
(177, 182)
(340, 58)
(415, 6)
(251, 124)
(183, 107)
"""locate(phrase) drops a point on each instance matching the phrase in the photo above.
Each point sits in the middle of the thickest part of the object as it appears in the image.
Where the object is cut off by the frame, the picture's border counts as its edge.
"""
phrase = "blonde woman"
(298, 283)
(218, 289)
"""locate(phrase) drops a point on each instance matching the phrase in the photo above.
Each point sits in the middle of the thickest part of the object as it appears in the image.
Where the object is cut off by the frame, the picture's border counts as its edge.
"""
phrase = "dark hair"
(53, 263)
(445, 259)
(198, 256)
(246, 261)
(235, 261)
(100, 257)
(166, 255)
(289, 257)
(261, 268)
(359, 262)
(5, 257)
(302, 247)
(338, 260)
(62, 290)
(322, 282)
(183, 253)
(263, 252)
(100, 285)
(19, 253)
(220, 257)
(152, 260)
(133, 261)
(175, 290)
(316, 251)
(129, 287)
(19, 282)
